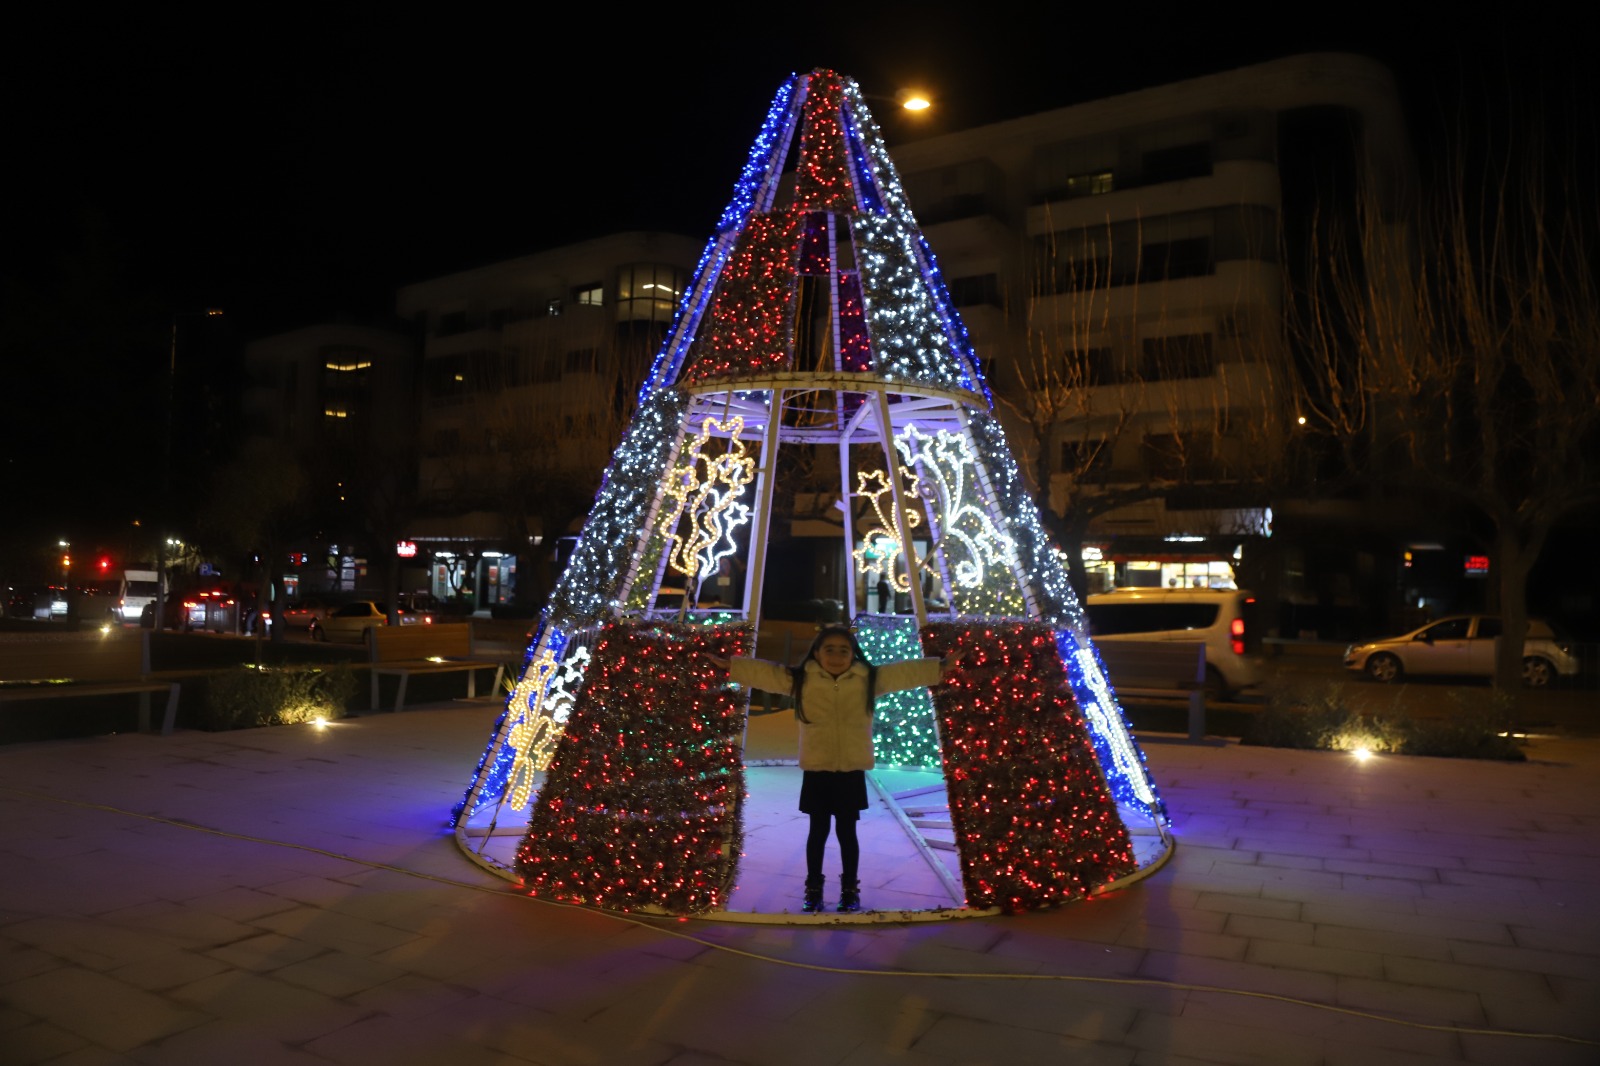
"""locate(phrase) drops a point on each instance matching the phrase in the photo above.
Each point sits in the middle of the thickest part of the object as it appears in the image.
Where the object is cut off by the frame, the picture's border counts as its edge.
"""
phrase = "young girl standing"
(834, 689)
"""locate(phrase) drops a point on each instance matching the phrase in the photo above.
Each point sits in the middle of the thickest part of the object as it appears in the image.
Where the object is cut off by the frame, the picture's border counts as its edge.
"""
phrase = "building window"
(451, 378)
(1079, 185)
(1176, 163)
(581, 360)
(1186, 355)
(649, 292)
(589, 295)
(1124, 253)
(1176, 457)
(1086, 460)
(1093, 366)
(553, 308)
(452, 323)
(1186, 258)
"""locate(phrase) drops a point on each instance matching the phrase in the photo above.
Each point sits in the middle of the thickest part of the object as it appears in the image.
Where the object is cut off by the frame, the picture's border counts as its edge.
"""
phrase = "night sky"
(290, 170)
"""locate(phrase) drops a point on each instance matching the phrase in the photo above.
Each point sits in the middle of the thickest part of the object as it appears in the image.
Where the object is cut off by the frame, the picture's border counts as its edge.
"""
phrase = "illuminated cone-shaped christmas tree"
(816, 319)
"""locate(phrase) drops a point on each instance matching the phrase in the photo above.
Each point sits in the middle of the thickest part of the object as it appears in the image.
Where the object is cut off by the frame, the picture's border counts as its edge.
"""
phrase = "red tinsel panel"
(823, 178)
(1034, 820)
(855, 347)
(748, 327)
(641, 804)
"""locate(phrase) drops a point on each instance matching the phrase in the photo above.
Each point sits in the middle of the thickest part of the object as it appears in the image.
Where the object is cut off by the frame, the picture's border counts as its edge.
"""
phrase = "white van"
(1222, 619)
(138, 590)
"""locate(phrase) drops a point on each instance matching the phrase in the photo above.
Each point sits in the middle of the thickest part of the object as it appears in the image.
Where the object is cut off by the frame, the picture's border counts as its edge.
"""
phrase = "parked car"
(211, 610)
(1462, 646)
(301, 613)
(351, 622)
(1221, 619)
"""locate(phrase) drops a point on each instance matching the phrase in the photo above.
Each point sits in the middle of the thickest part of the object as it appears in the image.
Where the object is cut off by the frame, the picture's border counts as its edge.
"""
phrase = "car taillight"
(1236, 631)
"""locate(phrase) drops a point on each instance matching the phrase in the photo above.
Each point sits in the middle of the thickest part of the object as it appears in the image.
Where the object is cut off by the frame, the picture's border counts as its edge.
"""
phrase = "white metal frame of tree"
(922, 373)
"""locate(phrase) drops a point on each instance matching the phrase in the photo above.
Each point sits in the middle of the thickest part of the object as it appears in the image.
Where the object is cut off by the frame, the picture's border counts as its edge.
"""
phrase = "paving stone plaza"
(293, 895)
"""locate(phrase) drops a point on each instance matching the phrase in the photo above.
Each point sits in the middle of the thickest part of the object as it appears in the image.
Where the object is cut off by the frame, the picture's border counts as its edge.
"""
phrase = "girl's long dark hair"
(799, 671)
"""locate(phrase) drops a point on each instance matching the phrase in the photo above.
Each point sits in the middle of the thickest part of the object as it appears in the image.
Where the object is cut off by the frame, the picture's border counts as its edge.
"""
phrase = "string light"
(1034, 821)
(710, 502)
(880, 544)
(903, 730)
(639, 807)
(948, 469)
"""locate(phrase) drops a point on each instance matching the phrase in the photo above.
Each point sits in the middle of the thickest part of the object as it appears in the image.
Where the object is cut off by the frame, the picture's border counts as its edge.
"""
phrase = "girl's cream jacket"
(839, 733)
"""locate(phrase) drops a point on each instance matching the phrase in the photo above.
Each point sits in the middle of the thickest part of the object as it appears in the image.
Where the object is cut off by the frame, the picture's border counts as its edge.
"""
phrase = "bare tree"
(1454, 353)
(537, 433)
(260, 503)
(1123, 400)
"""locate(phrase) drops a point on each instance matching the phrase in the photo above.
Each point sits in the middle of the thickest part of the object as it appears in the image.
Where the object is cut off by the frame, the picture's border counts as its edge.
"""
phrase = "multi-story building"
(1122, 264)
(528, 370)
(334, 400)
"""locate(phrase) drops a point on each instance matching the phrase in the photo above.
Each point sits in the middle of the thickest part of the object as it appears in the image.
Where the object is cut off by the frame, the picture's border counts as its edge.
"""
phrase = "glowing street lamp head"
(912, 100)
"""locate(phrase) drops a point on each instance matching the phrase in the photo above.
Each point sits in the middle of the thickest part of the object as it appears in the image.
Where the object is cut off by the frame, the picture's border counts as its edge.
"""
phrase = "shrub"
(1478, 727)
(1318, 716)
(250, 697)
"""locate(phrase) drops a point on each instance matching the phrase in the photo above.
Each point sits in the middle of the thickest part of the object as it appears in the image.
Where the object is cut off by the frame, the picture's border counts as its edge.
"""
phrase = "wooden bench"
(80, 665)
(401, 651)
(1159, 669)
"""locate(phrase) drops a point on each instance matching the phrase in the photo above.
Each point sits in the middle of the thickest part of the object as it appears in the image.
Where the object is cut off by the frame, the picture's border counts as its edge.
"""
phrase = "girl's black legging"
(849, 846)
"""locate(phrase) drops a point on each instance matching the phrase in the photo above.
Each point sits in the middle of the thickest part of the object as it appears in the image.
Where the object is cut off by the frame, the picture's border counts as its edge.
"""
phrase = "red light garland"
(1035, 822)
(749, 323)
(641, 805)
(824, 181)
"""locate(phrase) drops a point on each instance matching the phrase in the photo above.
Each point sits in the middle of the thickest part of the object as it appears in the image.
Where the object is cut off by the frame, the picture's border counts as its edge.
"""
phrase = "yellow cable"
(657, 926)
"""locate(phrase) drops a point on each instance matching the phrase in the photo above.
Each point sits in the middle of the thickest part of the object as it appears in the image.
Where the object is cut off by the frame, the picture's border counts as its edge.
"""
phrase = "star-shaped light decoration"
(947, 464)
(711, 502)
(880, 544)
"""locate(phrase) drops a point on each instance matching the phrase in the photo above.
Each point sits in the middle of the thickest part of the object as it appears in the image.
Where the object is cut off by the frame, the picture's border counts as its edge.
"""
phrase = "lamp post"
(166, 465)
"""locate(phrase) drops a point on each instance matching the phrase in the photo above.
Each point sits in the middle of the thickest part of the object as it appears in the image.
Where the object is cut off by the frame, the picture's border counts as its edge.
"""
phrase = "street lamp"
(166, 464)
(912, 100)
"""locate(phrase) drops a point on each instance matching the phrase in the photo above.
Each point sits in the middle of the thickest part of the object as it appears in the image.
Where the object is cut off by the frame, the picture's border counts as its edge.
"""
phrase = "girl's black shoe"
(813, 898)
(849, 896)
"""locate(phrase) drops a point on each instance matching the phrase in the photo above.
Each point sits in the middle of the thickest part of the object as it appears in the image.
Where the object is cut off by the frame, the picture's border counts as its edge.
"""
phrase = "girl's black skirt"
(841, 793)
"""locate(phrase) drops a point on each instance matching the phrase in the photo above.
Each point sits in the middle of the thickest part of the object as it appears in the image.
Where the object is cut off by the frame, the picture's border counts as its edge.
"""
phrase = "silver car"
(1462, 646)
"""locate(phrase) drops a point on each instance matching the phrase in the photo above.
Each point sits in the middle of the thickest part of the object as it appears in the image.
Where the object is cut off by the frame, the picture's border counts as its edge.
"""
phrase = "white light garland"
(880, 544)
(1105, 717)
(563, 691)
(710, 503)
(947, 466)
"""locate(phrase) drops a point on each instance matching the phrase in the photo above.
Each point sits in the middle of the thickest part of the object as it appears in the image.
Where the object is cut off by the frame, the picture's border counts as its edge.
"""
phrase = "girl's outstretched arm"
(947, 666)
(720, 664)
